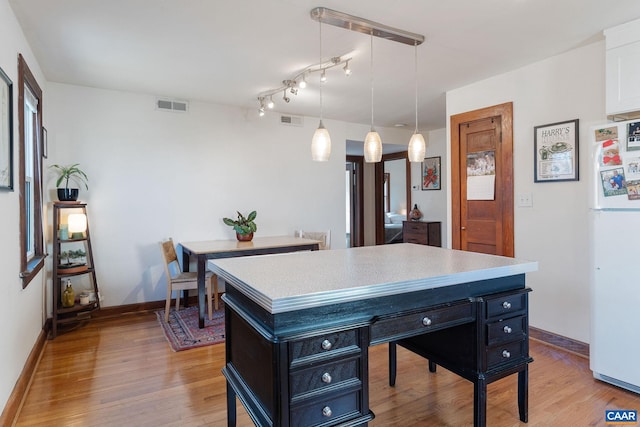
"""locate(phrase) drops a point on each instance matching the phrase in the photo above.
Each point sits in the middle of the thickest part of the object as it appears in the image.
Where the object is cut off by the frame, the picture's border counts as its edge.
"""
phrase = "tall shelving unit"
(63, 315)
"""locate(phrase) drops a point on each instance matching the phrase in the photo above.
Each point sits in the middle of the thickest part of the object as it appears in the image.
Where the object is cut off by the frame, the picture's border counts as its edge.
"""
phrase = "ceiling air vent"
(291, 120)
(172, 105)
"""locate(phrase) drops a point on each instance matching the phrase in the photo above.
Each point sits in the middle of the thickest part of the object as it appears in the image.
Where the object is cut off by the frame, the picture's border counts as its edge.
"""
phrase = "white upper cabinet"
(623, 70)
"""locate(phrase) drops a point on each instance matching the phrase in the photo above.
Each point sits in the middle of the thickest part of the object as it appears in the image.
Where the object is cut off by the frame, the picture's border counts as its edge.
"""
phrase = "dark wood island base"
(304, 362)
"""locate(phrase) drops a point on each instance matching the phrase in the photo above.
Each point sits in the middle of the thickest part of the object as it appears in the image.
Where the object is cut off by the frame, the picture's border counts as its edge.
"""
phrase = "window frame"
(30, 267)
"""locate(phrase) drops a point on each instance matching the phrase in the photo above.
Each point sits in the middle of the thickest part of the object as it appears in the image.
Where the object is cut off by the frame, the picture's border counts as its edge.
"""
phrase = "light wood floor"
(121, 372)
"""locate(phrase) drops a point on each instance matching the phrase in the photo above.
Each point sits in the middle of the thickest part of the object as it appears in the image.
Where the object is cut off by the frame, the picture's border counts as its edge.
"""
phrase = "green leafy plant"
(243, 225)
(70, 173)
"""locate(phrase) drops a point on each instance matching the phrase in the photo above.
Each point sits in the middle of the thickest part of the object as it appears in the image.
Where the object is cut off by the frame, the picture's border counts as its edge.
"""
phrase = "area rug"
(182, 330)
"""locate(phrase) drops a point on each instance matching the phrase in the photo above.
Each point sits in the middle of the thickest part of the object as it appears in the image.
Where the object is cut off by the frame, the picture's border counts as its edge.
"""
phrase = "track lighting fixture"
(347, 70)
(284, 96)
(299, 81)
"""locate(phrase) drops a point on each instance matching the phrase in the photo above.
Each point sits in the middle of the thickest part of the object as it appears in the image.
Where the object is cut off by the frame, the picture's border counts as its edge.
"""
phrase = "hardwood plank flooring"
(121, 372)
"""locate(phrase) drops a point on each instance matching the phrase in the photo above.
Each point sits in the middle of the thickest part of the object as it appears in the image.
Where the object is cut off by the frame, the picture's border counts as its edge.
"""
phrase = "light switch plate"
(525, 200)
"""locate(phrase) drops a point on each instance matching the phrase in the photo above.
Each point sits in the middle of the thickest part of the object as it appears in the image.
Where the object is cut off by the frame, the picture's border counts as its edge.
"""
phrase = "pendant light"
(417, 146)
(321, 141)
(372, 142)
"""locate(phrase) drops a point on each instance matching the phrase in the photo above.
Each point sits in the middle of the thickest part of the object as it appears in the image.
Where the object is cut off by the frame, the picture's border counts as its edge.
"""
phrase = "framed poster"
(6, 132)
(431, 173)
(555, 152)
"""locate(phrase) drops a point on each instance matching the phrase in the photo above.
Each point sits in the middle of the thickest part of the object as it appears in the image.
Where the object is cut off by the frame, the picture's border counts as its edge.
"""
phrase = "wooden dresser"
(422, 232)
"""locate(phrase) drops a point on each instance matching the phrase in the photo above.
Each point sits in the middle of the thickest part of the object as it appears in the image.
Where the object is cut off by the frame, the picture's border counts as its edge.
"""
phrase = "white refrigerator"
(615, 249)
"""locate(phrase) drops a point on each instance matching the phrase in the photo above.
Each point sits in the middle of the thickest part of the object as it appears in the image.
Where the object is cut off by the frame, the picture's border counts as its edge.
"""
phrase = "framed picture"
(555, 152)
(6, 132)
(431, 173)
(45, 143)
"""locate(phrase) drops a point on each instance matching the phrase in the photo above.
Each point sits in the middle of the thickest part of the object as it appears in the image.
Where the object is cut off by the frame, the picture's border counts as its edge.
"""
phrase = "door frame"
(379, 190)
(505, 111)
(357, 215)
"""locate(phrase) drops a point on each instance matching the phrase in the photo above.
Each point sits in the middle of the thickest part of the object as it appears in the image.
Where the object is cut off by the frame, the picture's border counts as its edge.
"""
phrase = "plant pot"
(68, 194)
(244, 237)
(72, 268)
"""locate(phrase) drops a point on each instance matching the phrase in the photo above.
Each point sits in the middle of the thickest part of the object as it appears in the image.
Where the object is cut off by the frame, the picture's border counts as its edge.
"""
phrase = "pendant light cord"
(415, 43)
(320, 24)
(372, 81)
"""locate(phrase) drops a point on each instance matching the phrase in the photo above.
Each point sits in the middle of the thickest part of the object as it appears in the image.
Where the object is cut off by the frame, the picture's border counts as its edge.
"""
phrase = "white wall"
(433, 203)
(553, 231)
(155, 174)
(22, 309)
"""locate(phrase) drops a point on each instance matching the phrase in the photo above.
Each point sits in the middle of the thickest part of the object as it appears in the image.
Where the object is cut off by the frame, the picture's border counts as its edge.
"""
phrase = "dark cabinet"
(422, 232)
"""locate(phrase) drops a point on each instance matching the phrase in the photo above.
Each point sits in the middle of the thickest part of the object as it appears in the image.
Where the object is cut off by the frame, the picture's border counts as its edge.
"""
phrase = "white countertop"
(287, 282)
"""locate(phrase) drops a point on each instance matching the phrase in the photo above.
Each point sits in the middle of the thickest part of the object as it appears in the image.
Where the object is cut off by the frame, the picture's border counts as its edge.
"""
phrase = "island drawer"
(317, 378)
(506, 330)
(421, 321)
(325, 346)
(506, 304)
(506, 353)
(326, 411)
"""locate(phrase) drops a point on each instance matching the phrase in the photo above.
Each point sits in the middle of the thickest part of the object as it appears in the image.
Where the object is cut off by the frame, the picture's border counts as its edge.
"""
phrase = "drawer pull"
(426, 321)
(326, 378)
(507, 330)
(326, 412)
(326, 345)
(506, 305)
(506, 354)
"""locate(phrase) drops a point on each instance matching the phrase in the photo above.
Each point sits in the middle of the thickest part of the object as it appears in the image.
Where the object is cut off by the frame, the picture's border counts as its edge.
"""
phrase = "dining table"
(215, 249)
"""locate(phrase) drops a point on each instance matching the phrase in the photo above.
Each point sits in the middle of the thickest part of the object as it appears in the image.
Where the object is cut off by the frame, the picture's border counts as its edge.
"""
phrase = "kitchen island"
(298, 326)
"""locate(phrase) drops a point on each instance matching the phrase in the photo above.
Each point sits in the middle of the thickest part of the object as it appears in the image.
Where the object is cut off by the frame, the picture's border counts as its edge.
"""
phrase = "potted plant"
(69, 173)
(244, 226)
(71, 265)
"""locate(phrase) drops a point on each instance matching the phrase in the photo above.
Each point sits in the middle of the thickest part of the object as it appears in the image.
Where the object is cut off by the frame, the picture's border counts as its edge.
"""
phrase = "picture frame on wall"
(556, 152)
(6, 132)
(431, 173)
(45, 143)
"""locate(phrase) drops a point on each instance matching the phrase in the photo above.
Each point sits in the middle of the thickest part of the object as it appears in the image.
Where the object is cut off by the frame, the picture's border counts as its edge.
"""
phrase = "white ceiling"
(227, 52)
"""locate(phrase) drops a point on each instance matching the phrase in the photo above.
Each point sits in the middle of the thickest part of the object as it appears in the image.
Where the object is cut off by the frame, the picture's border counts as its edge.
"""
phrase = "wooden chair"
(177, 280)
(323, 236)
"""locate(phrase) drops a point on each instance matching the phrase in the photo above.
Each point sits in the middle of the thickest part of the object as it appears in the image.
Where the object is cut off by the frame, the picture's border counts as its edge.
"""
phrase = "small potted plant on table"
(244, 226)
(69, 173)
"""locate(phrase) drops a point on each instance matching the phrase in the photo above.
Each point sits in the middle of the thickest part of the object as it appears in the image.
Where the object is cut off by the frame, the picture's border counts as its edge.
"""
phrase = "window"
(30, 130)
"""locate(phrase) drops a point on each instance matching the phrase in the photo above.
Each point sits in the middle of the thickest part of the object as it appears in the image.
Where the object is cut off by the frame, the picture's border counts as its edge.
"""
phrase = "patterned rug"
(183, 333)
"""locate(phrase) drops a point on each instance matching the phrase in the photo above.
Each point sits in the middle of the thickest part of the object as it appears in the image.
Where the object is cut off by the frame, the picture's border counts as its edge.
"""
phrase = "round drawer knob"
(426, 321)
(326, 378)
(326, 412)
(506, 354)
(507, 330)
(506, 305)
(326, 345)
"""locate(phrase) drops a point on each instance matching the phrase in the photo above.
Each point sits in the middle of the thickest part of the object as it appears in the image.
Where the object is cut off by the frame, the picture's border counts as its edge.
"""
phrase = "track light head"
(284, 96)
(323, 76)
(293, 90)
(270, 104)
(347, 70)
(303, 83)
(261, 111)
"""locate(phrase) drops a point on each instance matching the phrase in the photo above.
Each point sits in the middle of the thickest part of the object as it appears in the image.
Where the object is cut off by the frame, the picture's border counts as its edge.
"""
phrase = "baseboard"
(574, 346)
(18, 393)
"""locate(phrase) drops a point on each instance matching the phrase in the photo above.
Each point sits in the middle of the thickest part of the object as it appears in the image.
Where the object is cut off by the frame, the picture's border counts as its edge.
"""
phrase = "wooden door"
(482, 146)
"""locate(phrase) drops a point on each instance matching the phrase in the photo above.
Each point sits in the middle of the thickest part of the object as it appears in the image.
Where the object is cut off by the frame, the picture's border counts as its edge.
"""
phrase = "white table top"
(287, 282)
(213, 246)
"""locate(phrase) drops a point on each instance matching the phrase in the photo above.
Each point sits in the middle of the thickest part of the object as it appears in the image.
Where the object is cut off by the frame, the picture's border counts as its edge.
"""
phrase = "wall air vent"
(292, 120)
(172, 105)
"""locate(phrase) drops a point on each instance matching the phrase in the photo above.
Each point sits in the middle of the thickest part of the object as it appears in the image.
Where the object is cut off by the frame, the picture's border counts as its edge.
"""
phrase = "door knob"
(463, 228)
